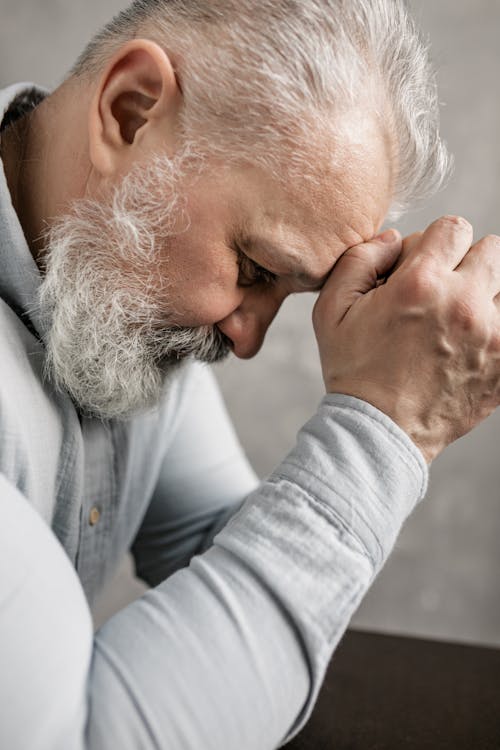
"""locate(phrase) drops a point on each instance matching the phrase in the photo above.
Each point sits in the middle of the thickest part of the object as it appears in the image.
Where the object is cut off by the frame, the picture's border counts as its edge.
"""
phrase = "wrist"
(400, 409)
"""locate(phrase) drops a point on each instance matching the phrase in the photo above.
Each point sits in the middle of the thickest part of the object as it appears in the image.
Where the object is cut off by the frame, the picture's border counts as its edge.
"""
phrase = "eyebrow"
(312, 283)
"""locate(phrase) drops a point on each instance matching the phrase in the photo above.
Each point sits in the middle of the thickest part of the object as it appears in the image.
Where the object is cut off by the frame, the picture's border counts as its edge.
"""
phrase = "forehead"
(340, 201)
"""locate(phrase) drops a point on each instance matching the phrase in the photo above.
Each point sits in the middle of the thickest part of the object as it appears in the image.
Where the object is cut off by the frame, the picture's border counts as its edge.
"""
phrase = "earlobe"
(135, 107)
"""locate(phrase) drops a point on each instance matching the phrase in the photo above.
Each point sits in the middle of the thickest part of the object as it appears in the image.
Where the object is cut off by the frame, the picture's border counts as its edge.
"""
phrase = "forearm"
(231, 652)
(320, 530)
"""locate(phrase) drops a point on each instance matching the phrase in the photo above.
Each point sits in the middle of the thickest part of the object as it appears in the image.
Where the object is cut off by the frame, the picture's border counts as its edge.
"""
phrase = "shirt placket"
(98, 505)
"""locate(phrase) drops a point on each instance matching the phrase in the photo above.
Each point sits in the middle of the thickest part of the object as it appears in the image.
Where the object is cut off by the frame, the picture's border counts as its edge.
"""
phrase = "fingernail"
(388, 237)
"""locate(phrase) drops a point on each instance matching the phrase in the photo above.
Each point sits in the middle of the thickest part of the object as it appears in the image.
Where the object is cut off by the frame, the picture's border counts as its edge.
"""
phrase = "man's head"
(256, 77)
(230, 152)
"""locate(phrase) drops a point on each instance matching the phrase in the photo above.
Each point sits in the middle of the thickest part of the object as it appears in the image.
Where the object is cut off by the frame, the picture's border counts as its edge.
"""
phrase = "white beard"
(109, 343)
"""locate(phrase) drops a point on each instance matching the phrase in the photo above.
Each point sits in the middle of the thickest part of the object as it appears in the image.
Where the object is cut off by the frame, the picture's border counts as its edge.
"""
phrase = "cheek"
(204, 306)
(202, 291)
(201, 271)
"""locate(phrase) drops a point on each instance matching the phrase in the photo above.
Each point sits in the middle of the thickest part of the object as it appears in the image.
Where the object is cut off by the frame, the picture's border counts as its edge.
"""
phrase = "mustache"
(205, 344)
(220, 348)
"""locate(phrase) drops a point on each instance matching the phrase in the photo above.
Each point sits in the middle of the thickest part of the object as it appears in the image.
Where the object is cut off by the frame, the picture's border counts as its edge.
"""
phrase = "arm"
(231, 651)
(45, 634)
(203, 481)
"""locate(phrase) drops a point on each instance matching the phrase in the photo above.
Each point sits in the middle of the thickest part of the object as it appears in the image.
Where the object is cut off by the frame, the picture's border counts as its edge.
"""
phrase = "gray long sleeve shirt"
(228, 650)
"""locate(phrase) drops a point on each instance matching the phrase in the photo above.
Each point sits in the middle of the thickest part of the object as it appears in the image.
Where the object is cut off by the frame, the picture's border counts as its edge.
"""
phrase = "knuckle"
(491, 240)
(457, 223)
(421, 285)
(463, 313)
(467, 315)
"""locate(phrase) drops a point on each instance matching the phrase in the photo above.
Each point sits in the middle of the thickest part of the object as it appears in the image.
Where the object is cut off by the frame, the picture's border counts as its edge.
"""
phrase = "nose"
(247, 325)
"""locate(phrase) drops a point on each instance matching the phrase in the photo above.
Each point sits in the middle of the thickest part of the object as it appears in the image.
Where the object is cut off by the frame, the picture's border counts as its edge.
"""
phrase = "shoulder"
(30, 415)
(21, 360)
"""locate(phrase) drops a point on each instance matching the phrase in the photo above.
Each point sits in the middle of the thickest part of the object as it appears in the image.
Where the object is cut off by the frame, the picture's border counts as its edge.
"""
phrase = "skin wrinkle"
(315, 196)
(350, 52)
(123, 322)
(90, 344)
(151, 287)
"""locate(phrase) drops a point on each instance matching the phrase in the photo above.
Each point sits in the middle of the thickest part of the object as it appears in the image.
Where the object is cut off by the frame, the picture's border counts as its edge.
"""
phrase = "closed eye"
(251, 273)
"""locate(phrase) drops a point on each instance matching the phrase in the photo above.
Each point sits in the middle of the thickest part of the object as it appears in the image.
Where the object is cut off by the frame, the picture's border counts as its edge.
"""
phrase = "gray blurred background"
(442, 580)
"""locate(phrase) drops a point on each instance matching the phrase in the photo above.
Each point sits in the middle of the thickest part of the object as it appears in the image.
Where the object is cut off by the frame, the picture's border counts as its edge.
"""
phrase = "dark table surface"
(391, 693)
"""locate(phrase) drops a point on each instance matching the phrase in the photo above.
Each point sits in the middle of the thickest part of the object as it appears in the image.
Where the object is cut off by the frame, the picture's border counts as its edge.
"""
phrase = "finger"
(357, 272)
(482, 264)
(409, 248)
(446, 241)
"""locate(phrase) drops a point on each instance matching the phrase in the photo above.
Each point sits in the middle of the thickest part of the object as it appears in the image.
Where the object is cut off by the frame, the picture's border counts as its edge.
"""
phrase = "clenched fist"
(423, 347)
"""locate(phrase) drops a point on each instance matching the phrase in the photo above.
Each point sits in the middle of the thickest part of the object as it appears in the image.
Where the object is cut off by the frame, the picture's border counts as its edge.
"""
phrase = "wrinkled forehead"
(345, 188)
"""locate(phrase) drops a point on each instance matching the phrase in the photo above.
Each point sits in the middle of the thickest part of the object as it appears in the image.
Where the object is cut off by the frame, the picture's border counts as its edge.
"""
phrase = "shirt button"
(95, 516)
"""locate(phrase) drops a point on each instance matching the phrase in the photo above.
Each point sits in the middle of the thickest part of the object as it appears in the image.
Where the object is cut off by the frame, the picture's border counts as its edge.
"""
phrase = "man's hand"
(423, 347)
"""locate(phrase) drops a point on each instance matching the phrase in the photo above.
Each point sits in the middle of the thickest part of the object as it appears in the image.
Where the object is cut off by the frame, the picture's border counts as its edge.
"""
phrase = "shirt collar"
(20, 278)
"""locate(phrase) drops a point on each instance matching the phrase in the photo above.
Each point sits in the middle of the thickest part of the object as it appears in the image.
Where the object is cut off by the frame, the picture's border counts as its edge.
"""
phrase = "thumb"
(356, 273)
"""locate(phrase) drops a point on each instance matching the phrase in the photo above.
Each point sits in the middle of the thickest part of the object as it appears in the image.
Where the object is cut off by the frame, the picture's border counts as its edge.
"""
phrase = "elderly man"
(203, 160)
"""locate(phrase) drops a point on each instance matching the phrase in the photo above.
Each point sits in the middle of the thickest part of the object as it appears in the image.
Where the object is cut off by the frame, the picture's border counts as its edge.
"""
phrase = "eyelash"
(251, 273)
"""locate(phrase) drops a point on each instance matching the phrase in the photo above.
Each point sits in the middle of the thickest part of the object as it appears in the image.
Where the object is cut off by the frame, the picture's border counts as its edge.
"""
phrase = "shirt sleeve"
(231, 651)
(45, 634)
(204, 479)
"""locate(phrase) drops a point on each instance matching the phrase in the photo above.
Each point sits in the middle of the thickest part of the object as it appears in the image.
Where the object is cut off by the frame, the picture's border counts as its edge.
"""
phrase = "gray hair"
(257, 74)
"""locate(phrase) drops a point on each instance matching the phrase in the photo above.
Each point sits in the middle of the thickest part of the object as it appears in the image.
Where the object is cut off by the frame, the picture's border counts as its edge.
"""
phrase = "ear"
(135, 108)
